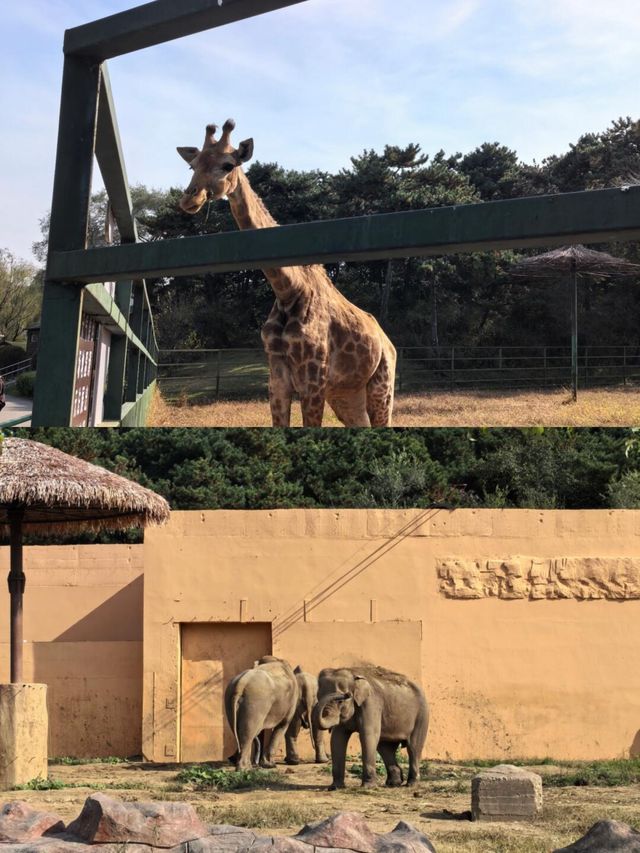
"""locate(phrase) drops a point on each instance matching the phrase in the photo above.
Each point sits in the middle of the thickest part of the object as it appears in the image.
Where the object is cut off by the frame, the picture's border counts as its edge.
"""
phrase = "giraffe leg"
(312, 406)
(380, 390)
(351, 407)
(280, 391)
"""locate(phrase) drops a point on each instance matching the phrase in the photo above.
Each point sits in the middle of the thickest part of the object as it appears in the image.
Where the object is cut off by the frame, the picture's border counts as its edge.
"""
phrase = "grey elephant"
(303, 718)
(385, 708)
(265, 697)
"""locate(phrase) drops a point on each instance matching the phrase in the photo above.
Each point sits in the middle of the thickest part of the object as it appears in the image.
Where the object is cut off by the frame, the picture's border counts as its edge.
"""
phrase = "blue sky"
(322, 80)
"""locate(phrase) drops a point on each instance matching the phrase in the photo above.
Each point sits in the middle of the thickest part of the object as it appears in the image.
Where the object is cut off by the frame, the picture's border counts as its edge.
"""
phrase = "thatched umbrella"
(574, 261)
(45, 491)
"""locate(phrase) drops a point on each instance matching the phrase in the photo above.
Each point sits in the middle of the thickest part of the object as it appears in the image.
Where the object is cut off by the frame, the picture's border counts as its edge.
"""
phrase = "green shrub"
(204, 776)
(25, 383)
(40, 784)
(10, 354)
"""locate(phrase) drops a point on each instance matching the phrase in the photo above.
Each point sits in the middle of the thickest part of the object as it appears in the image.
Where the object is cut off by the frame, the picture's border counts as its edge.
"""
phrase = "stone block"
(506, 793)
(24, 729)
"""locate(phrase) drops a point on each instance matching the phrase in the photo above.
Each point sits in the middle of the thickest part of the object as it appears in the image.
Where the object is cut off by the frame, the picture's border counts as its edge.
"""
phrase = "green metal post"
(62, 303)
(134, 355)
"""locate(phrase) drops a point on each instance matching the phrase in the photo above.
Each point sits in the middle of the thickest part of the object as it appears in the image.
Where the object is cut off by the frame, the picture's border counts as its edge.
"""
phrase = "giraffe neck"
(249, 211)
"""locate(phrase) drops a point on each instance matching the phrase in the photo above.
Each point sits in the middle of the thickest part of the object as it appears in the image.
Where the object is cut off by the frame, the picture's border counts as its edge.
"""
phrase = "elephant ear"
(361, 690)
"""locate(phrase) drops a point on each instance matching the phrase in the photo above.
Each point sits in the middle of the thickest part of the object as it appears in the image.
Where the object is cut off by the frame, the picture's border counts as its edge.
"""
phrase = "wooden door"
(82, 395)
(212, 653)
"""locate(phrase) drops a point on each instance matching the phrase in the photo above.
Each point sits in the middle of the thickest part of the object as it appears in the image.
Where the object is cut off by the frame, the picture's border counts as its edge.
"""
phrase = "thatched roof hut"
(570, 259)
(43, 490)
(63, 494)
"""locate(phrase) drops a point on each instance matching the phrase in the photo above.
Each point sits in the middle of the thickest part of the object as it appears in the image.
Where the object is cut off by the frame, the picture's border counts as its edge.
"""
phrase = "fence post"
(586, 366)
(453, 366)
(500, 359)
(218, 374)
(544, 362)
(624, 365)
(400, 368)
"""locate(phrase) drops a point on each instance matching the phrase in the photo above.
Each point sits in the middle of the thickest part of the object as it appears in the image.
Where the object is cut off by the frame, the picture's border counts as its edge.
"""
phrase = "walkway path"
(17, 407)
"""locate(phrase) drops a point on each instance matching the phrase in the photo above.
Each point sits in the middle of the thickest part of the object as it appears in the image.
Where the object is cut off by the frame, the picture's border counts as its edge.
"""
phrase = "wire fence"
(243, 373)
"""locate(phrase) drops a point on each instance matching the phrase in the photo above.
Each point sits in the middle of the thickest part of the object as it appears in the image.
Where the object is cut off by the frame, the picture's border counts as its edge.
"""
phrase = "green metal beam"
(62, 304)
(110, 315)
(160, 21)
(584, 217)
(111, 162)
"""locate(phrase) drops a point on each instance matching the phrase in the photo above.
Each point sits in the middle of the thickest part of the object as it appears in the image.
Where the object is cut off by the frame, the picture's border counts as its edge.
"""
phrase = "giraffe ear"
(189, 154)
(245, 151)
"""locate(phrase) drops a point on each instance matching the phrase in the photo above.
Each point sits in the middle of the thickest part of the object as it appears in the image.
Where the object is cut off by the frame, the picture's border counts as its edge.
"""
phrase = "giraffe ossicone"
(319, 345)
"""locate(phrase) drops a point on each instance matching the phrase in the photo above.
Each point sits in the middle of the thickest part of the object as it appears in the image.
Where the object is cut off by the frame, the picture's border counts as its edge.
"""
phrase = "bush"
(10, 354)
(624, 493)
(25, 383)
(203, 776)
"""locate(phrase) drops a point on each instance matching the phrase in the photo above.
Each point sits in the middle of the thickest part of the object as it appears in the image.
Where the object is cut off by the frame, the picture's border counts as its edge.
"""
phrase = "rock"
(609, 835)
(506, 792)
(105, 819)
(19, 822)
(404, 838)
(345, 829)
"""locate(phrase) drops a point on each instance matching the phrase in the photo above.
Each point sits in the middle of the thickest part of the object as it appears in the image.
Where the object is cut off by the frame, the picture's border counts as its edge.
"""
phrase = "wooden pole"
(574, 329)
(16, 580)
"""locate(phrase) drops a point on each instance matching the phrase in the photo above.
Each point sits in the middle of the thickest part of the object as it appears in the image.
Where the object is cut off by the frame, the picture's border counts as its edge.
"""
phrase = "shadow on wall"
(634, 749)
(93, 670)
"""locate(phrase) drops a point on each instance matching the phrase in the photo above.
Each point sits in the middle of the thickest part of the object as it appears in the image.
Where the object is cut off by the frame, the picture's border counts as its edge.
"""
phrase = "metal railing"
(11, 371)
(211, 374)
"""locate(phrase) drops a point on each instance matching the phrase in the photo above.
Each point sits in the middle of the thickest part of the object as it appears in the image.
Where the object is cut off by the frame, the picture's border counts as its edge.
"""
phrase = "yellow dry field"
(601, 407)
(438, 806)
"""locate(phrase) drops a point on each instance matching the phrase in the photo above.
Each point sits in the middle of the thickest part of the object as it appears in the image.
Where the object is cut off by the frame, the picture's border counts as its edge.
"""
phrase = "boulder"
(346, 830)
(104, 819)
(609, 835)
(506, 792)
(403, 838)
(19, 822)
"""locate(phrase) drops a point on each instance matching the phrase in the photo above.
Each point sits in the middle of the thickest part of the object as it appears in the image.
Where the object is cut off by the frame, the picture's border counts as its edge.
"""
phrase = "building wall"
(83, 638)
(522, 626)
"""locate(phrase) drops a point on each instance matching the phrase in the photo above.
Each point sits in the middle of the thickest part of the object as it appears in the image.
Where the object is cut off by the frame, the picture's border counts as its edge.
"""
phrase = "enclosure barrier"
(192, 376)
(88, 124)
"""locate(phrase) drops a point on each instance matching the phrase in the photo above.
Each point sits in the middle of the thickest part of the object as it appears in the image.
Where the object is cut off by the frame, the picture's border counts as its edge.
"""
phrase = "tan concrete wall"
(549, 670)
(83, 638)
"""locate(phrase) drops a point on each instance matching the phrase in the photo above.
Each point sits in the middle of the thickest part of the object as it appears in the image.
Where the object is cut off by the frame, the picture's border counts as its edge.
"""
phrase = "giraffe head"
(214, 167)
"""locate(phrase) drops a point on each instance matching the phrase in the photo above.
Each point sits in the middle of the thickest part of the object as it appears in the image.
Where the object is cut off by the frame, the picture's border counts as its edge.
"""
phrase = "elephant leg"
(339, 743)
(389, 753)
(277, 733)
(369, 739)
(290, 739)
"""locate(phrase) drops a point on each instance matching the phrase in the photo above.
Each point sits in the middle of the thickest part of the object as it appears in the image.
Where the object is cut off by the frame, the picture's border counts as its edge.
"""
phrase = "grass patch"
(72, 761)
(597, 774)
(264, 815)
(201, 776)
(40, 784)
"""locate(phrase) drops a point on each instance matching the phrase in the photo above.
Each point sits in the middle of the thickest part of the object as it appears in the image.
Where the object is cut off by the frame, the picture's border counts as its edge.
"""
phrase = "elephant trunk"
(326, 713)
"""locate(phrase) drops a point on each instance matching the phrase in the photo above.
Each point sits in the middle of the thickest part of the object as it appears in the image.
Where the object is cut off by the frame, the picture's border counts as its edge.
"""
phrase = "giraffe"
(318, 344)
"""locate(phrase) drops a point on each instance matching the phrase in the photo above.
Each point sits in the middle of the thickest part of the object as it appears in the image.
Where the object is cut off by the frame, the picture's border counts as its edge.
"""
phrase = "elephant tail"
(238, 693)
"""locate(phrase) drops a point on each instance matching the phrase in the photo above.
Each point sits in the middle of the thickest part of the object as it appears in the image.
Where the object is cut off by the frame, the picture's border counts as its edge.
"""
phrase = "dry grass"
(601, 407)
(437, 806)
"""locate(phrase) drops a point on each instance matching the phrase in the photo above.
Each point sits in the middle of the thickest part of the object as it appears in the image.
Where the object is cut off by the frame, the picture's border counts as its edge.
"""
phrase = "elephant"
(308, 696)
(385, 708)
(265, 697)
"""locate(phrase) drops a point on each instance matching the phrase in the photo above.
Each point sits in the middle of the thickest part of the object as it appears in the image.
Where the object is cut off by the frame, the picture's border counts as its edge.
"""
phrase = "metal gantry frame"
(75, 274)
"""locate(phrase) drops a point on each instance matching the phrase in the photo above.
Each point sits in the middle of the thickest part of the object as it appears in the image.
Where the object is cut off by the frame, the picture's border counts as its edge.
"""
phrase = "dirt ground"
(601, 407)
(438, 806)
